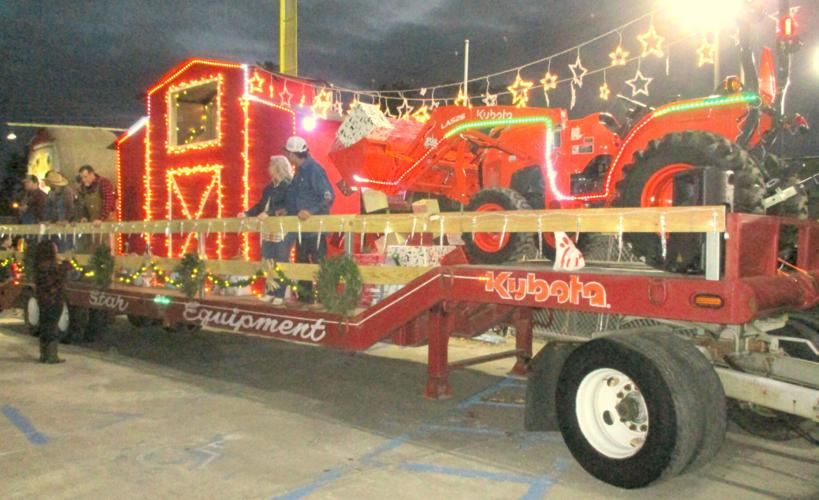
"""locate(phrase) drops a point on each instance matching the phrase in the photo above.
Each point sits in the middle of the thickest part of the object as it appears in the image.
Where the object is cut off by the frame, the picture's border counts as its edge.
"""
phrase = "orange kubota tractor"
(709, 150)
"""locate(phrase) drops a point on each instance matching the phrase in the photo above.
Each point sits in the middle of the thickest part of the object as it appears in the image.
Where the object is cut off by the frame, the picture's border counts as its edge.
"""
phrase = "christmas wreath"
(192, 275)
(334, 273)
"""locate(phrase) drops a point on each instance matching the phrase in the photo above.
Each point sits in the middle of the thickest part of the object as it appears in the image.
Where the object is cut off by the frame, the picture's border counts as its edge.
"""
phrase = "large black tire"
(762, 422)
(667, 392)
(696, 149)
(520, 246)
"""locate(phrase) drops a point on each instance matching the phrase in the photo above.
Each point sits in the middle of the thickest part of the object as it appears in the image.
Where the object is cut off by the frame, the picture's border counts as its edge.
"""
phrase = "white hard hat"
(296, 144)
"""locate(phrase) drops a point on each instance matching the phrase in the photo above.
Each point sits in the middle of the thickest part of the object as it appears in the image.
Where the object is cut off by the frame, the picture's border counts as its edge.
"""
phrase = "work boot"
(43, 349)
(51, 353)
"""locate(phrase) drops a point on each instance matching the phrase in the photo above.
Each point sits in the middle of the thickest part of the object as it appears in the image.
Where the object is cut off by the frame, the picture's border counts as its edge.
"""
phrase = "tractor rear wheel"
(498, 248)
(649, 180)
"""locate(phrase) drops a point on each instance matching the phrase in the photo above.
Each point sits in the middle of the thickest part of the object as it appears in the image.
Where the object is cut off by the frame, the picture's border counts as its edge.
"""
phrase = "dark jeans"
(280, 252)
(47, 329)
(309, 252)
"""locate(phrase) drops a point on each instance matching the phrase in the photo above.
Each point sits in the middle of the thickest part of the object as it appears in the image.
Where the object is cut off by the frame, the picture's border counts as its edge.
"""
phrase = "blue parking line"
(326, 477)
(24, 425)
(477, 399)
(538, 486)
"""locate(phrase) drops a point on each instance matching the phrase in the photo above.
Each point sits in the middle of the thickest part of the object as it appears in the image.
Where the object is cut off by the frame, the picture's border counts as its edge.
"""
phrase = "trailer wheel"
(630, 411)
(498, 248)
(649, 181)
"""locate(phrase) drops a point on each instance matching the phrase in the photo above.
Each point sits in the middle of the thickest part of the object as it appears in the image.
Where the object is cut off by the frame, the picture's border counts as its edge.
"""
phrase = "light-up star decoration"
(605, 91)
(338, 107)
(421, 115)
(578, 71)
(461, 100)
(652, 42)
(619, 57)
(322, 103)
(256, 83)
(285, 96)
(404, 110)
(706, 53)
(639, 84)
(490, 99)
(520, 91)
(549, 83)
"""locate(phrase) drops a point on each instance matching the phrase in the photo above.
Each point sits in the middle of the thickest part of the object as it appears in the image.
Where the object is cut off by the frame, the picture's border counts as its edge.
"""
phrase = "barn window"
(193, 115)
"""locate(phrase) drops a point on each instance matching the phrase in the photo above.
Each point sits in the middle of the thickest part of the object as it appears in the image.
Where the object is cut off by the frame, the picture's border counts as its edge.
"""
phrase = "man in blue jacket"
(309, 193)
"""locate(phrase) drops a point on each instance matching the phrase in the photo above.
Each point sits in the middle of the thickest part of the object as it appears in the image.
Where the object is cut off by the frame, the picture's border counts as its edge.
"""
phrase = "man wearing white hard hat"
(309, 193)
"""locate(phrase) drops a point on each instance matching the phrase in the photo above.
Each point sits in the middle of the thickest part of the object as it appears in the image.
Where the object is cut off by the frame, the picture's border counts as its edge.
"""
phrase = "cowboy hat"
(56, 179)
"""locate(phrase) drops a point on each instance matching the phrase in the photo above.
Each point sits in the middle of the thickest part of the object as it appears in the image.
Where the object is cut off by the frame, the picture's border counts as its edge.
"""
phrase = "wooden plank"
(591, 220)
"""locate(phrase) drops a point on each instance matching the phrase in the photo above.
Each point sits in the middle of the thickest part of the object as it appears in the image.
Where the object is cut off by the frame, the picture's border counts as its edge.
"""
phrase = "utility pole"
(289, 37)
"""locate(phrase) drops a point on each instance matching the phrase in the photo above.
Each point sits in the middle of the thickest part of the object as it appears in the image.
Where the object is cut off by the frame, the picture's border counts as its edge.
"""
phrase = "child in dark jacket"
(49, 280)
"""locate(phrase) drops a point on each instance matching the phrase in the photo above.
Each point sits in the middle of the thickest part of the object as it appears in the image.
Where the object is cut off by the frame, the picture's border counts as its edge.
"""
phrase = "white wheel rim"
(62, 324)
(33, 312)
(611, 413)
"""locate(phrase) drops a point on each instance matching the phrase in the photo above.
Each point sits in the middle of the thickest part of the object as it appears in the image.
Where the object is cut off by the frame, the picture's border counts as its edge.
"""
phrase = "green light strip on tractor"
(708, 103)
(495, 123)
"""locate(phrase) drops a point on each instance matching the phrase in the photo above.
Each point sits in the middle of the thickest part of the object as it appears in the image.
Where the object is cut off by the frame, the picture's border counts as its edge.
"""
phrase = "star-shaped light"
(256, 83)
(549, 81)
(433, 105)
(353, 104)
(520, 91)
(338, 107)
(322, 103)
(605, 91)
(461, 100)
(421, 115)
(652, 42)
(619, 57)
(404, 110)
(285, 96)
(578, 71)
(490, 99)
(706, 53)
(639, 84)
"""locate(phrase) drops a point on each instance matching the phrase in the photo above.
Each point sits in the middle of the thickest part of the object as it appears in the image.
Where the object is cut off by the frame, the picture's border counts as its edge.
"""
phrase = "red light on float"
(787, 27)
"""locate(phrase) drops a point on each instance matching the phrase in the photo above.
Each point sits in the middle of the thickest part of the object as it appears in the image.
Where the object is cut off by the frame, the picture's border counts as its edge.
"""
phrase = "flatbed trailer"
(634, 405)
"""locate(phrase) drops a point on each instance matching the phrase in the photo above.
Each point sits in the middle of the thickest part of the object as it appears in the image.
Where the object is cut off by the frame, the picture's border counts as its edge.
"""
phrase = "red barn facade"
(202, 151)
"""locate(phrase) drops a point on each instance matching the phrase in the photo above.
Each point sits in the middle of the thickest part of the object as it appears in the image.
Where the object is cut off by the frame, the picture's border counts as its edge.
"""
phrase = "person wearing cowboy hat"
(60, 204)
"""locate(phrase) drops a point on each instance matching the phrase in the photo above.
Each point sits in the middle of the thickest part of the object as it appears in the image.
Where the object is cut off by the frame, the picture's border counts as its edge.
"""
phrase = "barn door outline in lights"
(177, 195)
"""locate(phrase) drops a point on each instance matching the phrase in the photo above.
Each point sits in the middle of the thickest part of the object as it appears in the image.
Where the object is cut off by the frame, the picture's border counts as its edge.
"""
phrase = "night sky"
(88, 62)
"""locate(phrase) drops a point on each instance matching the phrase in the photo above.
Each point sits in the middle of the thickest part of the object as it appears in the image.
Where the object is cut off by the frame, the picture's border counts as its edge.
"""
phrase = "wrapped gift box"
(418, 256)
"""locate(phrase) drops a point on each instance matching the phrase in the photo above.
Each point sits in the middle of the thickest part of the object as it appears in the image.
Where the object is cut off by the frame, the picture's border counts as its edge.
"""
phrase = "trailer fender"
(544, 369)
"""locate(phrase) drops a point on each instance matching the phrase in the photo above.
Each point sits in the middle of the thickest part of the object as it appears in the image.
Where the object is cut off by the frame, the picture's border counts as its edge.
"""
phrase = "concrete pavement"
(147, 414)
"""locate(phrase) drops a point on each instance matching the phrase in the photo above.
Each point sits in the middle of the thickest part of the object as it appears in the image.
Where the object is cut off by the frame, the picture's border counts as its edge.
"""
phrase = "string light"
(619, 57)
(322, 103)
(256, 83)
(639, 84)
(404, 110)
(173, 146)
(421, 115)
(651, 42)
(578, 71)
(605, 91)
(462, 99)
(520, 92)
(549, 83)
(215, 172)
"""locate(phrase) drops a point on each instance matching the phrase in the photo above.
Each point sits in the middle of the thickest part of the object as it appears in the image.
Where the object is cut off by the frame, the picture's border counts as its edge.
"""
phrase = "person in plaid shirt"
(95, 201)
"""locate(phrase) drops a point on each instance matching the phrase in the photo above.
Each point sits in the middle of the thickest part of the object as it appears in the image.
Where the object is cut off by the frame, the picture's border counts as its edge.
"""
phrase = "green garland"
(100, 266)
(336, 270)
(192, 274)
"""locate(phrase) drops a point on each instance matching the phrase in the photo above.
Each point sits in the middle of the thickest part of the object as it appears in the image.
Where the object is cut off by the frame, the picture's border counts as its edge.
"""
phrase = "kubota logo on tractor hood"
(574, 292)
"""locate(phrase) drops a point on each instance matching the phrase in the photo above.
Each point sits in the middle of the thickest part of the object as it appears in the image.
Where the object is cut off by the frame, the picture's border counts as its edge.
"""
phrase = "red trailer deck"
(734, 310)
